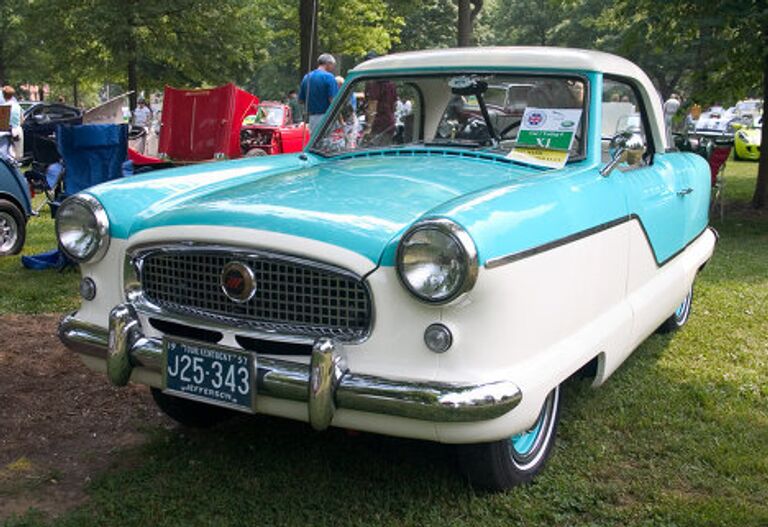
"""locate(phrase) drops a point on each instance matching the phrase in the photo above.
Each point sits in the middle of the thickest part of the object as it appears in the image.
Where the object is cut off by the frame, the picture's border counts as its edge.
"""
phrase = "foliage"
(13, 40)
(428, 24)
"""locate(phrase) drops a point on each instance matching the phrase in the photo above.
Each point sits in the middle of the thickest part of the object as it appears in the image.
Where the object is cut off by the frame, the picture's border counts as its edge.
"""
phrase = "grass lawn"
(24, 291)
(678, 436)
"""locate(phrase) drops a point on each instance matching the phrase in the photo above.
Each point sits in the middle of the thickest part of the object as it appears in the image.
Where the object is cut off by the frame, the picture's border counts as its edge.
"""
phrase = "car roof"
(535, 57)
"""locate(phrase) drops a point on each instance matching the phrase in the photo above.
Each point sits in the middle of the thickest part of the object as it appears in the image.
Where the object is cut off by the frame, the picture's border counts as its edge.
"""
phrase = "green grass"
(25, 291)
(677, 437)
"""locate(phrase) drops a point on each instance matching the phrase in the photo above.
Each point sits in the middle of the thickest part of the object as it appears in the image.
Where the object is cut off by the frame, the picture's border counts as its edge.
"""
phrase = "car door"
(656, 189)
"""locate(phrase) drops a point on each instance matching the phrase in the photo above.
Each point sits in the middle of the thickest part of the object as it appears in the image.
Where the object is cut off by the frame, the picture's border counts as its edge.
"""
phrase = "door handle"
(685, 191)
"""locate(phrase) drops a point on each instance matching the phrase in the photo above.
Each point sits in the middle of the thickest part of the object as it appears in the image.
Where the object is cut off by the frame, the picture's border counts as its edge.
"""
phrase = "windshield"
(267, 115)
(492, 112)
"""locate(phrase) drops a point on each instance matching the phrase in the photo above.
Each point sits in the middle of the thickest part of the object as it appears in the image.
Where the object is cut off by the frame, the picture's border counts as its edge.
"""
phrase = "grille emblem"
(238, 282)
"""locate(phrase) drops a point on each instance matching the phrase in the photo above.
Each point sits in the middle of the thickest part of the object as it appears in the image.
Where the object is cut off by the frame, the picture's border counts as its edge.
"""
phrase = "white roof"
(530, 57)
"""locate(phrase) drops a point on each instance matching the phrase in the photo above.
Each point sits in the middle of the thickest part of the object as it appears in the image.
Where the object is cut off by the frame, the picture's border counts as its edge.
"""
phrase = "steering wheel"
(509, 128)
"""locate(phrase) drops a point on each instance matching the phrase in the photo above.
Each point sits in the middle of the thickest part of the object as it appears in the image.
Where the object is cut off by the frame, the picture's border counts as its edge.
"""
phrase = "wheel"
(13, 228)
(503, 464)
(190, 413)
(255, 152)
(680, 316)
(736, 156)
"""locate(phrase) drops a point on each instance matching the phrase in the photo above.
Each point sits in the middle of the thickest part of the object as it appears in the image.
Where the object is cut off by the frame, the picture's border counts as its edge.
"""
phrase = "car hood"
(357, 203)
(751, 135)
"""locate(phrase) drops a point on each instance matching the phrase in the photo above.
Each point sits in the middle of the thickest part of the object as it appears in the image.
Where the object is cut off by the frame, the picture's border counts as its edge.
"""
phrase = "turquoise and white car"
(437, 279)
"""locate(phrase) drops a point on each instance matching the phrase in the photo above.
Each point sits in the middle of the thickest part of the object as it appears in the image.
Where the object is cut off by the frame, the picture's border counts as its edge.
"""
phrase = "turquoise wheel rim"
(681, 313)
(524, 442)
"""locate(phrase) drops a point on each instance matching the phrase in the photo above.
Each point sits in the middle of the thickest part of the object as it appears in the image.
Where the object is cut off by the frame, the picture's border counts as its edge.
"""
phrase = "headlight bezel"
(102, 224)
(469, 258)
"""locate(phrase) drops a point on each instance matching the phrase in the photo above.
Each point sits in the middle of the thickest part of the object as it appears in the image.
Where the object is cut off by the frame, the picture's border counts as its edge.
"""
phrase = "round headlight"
(437, 261)
(82, 228)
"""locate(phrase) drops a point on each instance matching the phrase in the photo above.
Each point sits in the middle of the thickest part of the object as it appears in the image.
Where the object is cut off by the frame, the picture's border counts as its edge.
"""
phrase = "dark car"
(15, 209)
(42, 119)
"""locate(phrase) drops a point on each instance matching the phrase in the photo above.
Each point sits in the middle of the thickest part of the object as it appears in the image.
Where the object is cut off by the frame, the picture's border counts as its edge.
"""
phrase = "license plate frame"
(175, 384)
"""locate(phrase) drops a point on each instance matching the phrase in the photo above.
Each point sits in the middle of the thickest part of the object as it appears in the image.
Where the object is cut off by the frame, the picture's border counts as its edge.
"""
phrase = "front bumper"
(325, 384)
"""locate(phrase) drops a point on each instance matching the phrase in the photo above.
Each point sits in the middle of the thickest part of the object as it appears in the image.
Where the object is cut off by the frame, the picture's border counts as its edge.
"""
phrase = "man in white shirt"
(142, 117)
(10, 136)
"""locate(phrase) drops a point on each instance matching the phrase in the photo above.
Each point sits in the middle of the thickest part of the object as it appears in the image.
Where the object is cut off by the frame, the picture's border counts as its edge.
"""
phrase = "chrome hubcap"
(9, 232)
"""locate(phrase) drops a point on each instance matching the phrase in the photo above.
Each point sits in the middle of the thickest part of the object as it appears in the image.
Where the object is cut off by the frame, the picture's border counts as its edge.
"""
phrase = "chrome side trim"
(498, 261)
(325, 384)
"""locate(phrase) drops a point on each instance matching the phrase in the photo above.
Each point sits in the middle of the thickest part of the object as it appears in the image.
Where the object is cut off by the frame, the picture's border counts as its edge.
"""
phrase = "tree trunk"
(464, 24)
(307, 35)
(75, 94)
(468, 11)
(133, 82)
(760, 197)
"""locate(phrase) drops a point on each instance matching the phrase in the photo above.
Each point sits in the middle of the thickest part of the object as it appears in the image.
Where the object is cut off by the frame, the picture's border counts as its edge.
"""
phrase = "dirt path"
(60, 424)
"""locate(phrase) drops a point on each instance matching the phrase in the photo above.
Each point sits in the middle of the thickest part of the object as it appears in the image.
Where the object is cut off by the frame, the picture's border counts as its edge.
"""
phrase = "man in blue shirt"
(318, 88)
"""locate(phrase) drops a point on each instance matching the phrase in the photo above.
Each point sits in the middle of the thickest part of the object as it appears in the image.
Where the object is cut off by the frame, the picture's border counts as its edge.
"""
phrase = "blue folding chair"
(92, 154)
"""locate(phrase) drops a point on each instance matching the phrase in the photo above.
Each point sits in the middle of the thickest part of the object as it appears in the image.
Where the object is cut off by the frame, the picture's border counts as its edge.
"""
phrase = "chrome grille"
(293, 296)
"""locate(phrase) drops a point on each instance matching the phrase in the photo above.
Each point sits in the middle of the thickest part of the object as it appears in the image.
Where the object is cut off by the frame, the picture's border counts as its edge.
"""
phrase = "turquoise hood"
(358, 203)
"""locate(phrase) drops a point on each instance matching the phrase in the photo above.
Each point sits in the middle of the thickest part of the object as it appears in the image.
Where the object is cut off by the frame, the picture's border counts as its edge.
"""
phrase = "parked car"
(271, 130)
(27, 105)
(717, 121)
(42, 119)
(15, 208)
(441, 288)
(746, 143)
(749, 111)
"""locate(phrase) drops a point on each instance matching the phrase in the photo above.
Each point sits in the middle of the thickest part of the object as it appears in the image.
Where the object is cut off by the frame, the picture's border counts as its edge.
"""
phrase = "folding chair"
(93, 154)
(717, 160)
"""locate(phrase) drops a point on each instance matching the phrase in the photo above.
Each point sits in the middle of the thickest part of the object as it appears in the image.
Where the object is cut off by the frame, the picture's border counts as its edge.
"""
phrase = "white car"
(438, 283)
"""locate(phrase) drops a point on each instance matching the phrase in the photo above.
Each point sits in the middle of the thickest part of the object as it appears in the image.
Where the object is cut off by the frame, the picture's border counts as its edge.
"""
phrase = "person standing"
(318, 88)
(142, 118)
(671, 106)
(11, 135)
(293, 103)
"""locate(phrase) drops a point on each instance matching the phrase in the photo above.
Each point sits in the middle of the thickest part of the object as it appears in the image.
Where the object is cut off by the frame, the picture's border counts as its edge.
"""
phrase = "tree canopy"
(713, 51)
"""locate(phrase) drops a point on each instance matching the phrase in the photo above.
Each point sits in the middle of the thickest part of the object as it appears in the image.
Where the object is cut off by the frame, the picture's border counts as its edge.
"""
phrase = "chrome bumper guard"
(325, 384)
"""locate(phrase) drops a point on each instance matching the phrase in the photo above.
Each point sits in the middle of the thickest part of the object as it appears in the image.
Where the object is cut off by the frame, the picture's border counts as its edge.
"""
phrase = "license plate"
(208, 373)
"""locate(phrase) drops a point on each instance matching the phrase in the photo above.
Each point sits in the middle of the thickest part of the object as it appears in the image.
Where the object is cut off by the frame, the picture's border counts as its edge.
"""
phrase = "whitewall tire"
(508, 462)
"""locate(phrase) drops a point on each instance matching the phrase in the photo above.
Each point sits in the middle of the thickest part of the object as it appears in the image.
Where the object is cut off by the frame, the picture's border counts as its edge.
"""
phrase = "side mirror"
(626, 147)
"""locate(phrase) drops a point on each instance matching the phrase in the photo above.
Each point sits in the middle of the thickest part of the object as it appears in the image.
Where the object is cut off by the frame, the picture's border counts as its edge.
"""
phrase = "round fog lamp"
(438, 338)
(87, 288)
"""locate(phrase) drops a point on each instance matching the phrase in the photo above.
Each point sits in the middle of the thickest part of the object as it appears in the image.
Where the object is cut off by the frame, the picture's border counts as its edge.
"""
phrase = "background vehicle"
(202, 125)
(746, 143)
(41, 120)
(15, 209)
(270, 130)
(717, 121)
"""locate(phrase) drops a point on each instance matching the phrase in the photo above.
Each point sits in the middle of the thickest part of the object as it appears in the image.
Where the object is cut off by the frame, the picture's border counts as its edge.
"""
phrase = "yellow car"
(746, 144)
